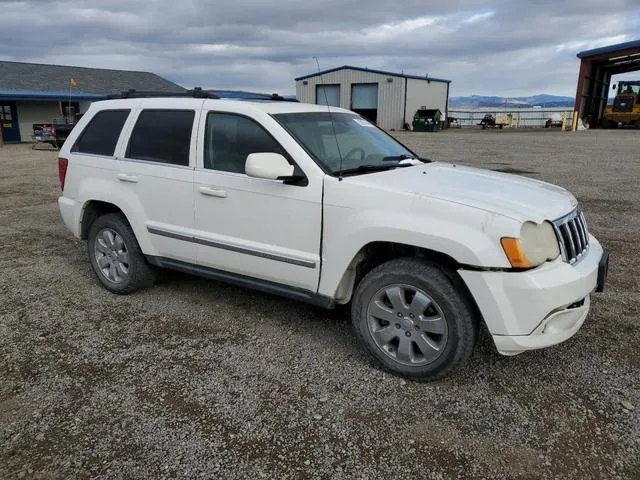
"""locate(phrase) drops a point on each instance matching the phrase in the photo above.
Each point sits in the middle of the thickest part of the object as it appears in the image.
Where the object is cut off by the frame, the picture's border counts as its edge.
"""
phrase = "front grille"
(573, 236)
(623, 104)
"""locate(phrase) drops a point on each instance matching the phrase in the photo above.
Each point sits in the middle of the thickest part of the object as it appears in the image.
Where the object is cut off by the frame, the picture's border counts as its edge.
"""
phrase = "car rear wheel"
(116, 257)
(413, 320)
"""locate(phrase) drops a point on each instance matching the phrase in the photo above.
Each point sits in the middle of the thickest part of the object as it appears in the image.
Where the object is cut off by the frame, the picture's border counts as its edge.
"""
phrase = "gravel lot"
(196, 379)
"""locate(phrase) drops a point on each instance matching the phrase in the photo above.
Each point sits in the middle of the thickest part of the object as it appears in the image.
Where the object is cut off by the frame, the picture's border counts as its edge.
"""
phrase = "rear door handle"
(123, 177)
(213, 192)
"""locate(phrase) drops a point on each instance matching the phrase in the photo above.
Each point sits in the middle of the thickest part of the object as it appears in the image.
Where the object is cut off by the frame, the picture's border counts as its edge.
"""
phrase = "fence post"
(564, 122)
(574, 122)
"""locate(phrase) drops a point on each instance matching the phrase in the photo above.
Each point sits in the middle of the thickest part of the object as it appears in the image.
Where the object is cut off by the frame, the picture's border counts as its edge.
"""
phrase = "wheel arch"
(91, 211)
(94, 208)
(376, 253)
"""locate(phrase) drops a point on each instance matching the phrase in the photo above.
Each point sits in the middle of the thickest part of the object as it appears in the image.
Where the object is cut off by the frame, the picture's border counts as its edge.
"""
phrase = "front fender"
(464, 234)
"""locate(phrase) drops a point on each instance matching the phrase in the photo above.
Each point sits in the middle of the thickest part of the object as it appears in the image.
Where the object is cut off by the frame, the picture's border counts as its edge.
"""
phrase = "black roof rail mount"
(280, 98)
(196, 92)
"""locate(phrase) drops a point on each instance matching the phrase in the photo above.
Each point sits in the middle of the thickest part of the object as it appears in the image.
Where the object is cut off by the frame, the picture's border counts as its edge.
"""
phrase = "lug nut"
(397, 325)
(411, 315)
(408, 334)
(399, 314)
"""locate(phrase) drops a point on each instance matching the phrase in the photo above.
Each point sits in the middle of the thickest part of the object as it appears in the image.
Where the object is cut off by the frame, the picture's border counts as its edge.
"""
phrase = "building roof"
(36, 95)
(381, 72)
(41, 78)
(609, 49)
(614, 59)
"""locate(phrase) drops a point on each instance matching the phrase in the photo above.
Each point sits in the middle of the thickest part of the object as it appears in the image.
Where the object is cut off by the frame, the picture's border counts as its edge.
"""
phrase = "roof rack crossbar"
(280, 98)
(196, 92)
(257, 97)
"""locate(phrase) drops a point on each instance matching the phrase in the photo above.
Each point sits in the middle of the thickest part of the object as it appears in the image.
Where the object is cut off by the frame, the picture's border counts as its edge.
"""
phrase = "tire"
(112, 242)
(437, 347)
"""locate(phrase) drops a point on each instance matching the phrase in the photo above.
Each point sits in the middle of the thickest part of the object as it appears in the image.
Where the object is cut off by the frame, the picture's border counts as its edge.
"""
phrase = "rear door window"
(101, 134)
(162, 136)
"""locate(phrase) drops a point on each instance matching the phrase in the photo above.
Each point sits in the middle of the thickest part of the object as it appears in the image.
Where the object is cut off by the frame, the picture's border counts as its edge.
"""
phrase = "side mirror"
(271, 166)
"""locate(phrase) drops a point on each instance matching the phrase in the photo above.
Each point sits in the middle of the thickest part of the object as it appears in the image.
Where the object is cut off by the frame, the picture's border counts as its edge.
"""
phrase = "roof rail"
(242, 95)
(280, 98)
(196, 92)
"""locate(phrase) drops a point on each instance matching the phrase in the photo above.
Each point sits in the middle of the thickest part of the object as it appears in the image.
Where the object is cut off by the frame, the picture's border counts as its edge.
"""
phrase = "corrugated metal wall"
(390, 94)
(422, 93)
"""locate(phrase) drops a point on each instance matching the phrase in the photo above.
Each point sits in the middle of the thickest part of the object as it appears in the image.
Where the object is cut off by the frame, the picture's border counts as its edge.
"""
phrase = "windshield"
(362, 145)
(628, 88)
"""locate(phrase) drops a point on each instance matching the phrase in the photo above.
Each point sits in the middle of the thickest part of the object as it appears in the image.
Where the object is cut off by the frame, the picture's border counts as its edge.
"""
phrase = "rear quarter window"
(101, 134)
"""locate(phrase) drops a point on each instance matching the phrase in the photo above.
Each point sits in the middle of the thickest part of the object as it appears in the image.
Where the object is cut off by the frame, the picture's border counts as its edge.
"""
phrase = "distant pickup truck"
(62, 129)
(54, 133)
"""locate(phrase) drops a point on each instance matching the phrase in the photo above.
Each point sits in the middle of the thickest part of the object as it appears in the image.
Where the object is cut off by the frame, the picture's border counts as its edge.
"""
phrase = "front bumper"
(540, 307)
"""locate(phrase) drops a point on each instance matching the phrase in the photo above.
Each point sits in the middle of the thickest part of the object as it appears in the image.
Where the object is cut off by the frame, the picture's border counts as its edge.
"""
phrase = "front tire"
(413, 320)
(116, 257)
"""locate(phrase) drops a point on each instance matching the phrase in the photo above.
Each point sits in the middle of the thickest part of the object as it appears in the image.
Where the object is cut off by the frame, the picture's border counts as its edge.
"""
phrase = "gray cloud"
(486, 47)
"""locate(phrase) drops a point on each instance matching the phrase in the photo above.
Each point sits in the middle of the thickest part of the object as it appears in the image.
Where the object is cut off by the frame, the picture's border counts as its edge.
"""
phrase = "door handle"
(213, 192)
(123, 177)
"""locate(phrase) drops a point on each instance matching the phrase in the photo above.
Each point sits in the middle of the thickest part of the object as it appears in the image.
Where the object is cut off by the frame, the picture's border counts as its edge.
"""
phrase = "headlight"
(536, 245)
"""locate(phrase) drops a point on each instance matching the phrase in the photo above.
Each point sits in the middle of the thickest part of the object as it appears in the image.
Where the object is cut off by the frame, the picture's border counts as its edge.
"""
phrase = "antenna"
(333, 128)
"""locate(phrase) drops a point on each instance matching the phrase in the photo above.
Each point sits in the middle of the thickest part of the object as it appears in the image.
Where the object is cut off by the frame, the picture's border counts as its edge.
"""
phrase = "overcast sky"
(502, 47)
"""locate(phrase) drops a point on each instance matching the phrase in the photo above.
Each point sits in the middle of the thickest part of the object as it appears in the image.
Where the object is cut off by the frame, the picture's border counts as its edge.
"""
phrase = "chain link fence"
(514, 118)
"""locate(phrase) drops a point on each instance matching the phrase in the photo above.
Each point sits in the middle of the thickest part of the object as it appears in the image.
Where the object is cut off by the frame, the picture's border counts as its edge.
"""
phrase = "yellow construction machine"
(626, 106)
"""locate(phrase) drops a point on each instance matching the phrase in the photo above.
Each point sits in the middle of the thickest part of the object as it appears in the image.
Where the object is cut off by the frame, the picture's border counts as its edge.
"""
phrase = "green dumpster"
(426, 120)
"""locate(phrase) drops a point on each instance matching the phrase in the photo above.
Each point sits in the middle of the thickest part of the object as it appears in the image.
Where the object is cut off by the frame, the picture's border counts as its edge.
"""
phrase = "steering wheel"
(354, 150)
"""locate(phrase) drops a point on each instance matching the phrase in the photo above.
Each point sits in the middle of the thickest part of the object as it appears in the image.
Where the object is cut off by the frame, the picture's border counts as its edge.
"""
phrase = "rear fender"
(130, 205)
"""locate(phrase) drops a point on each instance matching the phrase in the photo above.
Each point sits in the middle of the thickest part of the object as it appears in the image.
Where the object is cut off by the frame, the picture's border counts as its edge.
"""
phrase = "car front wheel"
(413, 320)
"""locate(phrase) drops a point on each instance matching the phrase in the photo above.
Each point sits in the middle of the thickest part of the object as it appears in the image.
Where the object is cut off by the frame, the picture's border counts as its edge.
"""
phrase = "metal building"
(596, 68)
(386, 98)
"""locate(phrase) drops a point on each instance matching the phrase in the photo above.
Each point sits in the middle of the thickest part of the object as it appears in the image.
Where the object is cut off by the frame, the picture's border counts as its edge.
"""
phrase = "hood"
(513, 196)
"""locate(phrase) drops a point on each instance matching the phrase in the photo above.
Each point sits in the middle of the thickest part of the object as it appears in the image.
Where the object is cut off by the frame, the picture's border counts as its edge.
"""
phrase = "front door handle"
(213, 192)
(123, 177)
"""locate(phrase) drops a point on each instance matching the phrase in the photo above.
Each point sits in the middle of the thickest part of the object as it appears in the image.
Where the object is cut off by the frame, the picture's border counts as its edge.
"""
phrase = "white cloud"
(484, 47)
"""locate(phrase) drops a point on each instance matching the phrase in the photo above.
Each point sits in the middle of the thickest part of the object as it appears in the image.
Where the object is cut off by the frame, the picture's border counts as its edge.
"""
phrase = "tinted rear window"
(101, 135)
(162, 136)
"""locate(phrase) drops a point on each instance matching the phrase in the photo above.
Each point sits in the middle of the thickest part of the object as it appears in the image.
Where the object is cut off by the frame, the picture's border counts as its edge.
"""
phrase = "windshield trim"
(323, 167)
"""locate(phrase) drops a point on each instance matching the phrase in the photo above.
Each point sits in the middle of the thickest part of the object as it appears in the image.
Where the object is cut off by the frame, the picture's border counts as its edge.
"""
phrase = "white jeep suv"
(320, 205)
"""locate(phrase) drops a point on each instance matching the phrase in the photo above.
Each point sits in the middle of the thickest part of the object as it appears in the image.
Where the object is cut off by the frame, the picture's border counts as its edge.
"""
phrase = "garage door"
(332, 93)
(364, 96)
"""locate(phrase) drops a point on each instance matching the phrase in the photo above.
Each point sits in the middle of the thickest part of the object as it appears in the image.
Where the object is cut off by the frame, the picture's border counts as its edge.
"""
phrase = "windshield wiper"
(371, 168)
(366, 169)
(404, 156)
(395, 158)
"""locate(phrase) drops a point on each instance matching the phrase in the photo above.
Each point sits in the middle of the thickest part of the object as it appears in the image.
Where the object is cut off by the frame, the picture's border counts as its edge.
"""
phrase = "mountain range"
(543, 100)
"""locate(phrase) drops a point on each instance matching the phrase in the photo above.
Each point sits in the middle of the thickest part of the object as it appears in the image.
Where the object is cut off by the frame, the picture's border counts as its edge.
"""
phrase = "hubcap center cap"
(407, 323)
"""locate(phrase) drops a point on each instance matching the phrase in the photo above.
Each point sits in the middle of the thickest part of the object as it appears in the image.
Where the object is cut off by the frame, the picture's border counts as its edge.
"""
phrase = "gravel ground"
(196, 379)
